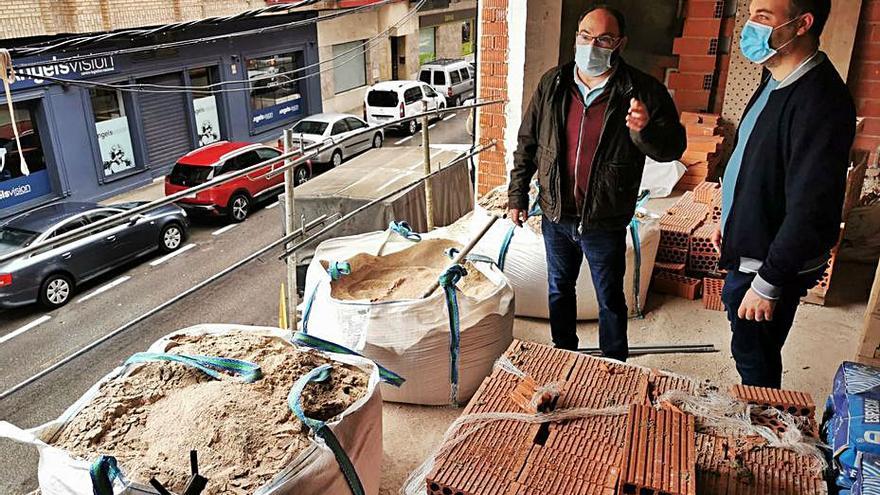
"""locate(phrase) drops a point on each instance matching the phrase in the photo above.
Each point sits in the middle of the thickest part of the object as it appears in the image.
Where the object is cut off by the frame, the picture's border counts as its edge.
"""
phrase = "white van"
(453, 78)
(390, 100)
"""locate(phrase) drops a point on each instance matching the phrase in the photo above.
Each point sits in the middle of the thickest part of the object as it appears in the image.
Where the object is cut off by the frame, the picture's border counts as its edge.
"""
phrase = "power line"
(155, 88)
(176, 44)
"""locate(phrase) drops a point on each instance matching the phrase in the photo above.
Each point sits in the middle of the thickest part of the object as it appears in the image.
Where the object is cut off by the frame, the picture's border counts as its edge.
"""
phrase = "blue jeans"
(757, 346)
(606, 254)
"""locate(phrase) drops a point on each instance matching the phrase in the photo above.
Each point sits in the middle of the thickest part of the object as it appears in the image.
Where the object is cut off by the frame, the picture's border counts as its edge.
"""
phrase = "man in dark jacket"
(784, 184)
(586, 133)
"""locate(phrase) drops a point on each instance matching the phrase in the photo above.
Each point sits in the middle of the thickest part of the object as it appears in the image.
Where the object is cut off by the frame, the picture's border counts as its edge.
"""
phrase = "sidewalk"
(150, 192)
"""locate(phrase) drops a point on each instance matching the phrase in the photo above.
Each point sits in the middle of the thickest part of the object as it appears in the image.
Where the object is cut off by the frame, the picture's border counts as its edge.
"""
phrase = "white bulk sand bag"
(660, 178)
(314, 471)
(411, 337)
(525, 266)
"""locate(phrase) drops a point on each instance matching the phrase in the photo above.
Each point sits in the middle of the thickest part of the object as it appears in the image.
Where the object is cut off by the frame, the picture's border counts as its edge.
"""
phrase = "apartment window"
(467, 37)
(349, 66)
(275, 88)
(207, 116)
(427, 44)
(114, 135)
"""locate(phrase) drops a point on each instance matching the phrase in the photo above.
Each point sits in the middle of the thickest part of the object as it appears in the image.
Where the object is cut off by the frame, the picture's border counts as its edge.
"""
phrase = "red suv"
(235, 198)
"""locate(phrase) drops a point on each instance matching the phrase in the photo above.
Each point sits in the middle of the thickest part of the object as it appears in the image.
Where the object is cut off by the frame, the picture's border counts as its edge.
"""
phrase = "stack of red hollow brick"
(703, 152)
(644, 447)
(687, 262)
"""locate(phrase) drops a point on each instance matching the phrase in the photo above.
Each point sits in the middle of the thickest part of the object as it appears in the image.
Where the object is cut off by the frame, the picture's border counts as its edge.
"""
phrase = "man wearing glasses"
(586, 133)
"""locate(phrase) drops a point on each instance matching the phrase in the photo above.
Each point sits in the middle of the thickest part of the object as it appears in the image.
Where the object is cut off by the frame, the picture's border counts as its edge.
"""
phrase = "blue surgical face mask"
(593, 60)
(755, 41)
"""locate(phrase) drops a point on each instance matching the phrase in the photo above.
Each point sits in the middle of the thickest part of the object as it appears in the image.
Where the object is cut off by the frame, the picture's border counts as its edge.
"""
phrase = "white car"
(332, 127)
(450, 77)
(390, 100)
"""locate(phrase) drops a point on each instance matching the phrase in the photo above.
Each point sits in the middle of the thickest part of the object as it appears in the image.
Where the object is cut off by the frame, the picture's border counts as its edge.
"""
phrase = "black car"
(50, 276)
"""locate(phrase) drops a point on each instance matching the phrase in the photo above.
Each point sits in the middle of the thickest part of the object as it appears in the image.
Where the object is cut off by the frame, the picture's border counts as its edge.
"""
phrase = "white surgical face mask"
(593, 60)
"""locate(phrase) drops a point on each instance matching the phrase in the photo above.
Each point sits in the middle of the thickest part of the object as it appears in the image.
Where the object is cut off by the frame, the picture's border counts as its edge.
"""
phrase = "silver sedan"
(332, 128)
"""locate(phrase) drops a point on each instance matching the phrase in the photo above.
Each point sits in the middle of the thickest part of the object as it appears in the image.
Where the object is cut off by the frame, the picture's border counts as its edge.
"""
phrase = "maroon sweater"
(583, 128)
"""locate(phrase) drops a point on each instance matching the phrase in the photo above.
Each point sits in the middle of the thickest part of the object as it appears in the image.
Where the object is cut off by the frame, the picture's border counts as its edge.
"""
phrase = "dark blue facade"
(65, 118)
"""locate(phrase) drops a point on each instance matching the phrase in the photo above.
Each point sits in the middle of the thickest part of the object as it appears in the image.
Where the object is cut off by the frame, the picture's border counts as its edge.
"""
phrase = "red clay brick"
(796, 403)
(712, 288)
(677, 285)
(672, 255)
(660, 453)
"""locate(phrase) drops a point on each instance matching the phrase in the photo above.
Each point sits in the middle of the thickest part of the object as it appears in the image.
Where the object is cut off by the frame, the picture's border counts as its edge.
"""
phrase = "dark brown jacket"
(620, 156)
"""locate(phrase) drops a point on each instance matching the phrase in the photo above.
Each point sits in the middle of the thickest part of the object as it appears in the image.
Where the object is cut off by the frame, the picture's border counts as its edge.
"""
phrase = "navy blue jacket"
(789, 194)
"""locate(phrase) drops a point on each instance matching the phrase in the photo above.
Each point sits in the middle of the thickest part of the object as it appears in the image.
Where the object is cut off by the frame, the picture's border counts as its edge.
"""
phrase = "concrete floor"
(822, 338)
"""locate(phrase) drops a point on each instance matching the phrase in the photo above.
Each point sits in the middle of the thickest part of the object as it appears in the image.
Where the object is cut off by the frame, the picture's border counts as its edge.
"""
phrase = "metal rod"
(298, 156)
(358, 210)
(429, 189)
(289, 227)
(466, 251)
(157, 309)
(645, 350)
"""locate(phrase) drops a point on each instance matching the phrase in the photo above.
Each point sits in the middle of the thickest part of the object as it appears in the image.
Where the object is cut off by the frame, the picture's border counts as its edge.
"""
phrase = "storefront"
(448, 34)
(119, 121)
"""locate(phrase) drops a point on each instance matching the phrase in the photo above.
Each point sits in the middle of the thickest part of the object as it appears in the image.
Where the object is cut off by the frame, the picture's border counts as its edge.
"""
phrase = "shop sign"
(114, 140)
(207, 120)
(24, 188)
(278, 113)
(27, 77)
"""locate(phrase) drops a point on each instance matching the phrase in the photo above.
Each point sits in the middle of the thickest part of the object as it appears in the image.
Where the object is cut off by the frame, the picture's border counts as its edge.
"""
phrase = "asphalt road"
(32, 339)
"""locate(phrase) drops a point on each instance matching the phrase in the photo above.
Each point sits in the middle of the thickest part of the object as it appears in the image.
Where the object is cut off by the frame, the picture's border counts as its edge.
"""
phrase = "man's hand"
(516, 216)
(716, 240)
(637, 118)
(756, 308)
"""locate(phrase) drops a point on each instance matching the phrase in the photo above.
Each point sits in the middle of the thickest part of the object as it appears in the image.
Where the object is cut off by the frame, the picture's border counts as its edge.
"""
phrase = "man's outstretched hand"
(638, 117)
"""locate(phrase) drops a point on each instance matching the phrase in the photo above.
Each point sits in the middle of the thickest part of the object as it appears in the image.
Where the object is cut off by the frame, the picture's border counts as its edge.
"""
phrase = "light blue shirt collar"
(590, 94)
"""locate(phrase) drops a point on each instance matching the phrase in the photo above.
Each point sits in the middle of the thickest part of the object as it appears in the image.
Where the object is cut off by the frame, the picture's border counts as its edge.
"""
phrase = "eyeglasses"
(604, 41)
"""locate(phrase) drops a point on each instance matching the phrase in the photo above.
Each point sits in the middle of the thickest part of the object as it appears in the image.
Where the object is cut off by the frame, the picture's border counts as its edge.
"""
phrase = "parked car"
(327, 127)
(51, 276)
(235, 198)
(391, 100)
(452, 78)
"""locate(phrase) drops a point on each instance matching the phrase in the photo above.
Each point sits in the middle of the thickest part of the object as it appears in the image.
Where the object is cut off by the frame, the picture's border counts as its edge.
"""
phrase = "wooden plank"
(839, 36)
(871, 329)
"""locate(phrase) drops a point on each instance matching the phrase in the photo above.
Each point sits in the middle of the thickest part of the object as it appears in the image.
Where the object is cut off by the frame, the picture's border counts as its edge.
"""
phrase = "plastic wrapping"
(852, 427)
(314, 471)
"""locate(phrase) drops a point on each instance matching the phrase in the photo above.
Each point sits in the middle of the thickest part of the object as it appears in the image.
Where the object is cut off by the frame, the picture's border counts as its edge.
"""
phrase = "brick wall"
(494, 49)
(864, 80)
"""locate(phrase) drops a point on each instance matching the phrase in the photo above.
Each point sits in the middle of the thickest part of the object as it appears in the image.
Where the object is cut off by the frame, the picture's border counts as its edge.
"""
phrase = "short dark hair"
(820, 9)
(621, 20)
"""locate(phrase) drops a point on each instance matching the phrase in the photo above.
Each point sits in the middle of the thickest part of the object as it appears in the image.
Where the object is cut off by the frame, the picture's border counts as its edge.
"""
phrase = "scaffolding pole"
(429, 190)
(289, 228)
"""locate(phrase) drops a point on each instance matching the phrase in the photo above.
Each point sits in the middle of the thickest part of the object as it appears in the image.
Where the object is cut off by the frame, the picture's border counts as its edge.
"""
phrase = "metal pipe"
(466, 251)
(429, 190)
(361, 208)
(645, 350)
(289, 227)
(306, 154)
(166, 304)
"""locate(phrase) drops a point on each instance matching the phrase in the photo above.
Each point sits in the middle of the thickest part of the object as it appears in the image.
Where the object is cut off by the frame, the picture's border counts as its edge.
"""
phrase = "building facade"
(91, 127)
(441, 29)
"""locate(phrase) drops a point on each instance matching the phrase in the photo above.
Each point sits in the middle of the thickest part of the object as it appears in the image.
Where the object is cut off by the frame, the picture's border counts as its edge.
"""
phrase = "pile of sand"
(244, 433)
(495, 202)
(406, 274)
